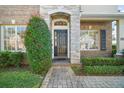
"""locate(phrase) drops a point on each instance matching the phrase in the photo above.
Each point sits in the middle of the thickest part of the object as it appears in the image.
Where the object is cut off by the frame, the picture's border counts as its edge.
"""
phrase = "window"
(89, 40)
(20, 38)
(60, 23)
(9, 37)
(121, 8)
(13, 38)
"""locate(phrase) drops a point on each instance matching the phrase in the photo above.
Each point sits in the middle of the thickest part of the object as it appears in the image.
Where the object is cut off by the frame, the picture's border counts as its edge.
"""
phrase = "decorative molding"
(60, 10)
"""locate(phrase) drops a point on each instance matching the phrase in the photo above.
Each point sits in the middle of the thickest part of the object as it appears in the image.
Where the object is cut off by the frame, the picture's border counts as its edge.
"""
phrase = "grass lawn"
(19, 78)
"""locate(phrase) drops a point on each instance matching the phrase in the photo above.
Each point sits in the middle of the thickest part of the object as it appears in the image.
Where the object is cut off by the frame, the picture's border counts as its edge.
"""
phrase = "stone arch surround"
(74, 13)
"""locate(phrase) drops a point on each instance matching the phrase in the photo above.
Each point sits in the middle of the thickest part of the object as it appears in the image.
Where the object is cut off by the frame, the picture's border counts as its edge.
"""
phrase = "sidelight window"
(60, 23)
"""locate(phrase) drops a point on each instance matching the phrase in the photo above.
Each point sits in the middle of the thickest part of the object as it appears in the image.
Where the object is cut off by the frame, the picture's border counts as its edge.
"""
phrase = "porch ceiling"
(95, 20)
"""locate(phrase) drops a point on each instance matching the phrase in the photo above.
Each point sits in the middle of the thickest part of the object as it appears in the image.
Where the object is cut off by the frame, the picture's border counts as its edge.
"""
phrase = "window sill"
(91, 50)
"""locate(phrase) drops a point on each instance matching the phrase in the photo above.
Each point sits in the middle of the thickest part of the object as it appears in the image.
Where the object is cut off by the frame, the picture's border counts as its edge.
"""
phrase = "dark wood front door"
(60, 43)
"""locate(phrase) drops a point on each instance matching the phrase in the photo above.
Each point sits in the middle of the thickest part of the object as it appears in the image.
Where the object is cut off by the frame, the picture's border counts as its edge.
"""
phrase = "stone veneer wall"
(74, 13)
(97, 26)
(20, 13)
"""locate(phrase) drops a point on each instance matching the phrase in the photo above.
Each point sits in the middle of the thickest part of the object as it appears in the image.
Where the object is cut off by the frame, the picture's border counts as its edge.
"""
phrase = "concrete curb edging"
(71, 71)
(46, 79)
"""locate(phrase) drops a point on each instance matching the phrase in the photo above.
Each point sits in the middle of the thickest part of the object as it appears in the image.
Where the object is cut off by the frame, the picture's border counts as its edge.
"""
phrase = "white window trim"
(60, 27)
(16, 38)
(98, 40)
(2, 40)
(2, 37)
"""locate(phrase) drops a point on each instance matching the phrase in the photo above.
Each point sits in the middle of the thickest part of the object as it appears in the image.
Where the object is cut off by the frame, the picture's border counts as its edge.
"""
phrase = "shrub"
(10, 59)
(102, 61)
(101, 66)
(100, 70)
(16, 58)
(38, 45)
(24, 60)
(113, 50)
(4, 59)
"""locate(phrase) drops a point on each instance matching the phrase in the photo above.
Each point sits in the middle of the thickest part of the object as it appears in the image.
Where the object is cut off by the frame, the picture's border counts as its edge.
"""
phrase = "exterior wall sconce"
(90, 27)
(13, 21)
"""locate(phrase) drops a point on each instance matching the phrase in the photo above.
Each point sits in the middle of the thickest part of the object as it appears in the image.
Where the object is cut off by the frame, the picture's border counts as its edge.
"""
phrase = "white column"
(121, 34)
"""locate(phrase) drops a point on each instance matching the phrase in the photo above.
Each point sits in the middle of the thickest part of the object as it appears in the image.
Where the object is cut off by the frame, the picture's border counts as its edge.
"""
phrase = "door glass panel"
(60, 43)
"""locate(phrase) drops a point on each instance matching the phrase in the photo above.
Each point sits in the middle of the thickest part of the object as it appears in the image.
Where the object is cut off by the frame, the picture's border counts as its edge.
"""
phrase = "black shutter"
(103, 39)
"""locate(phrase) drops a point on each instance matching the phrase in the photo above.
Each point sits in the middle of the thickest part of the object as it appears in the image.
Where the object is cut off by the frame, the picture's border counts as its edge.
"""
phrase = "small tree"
(38, 45)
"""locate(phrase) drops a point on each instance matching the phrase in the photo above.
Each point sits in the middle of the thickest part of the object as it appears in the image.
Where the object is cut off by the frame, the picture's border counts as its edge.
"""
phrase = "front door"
(60, 43)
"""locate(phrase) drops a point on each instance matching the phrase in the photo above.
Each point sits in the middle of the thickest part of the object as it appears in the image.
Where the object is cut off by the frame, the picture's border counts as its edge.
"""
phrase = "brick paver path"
(64, 77)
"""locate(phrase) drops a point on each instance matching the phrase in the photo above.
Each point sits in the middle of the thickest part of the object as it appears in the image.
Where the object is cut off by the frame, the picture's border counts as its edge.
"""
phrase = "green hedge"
(38, 45)
(102, 61)
(101, 70)
(100, 66)
(10, 59)
(113, 50)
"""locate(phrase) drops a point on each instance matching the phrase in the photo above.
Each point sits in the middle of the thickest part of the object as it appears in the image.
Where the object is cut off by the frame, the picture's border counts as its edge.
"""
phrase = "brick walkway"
(63, 77)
